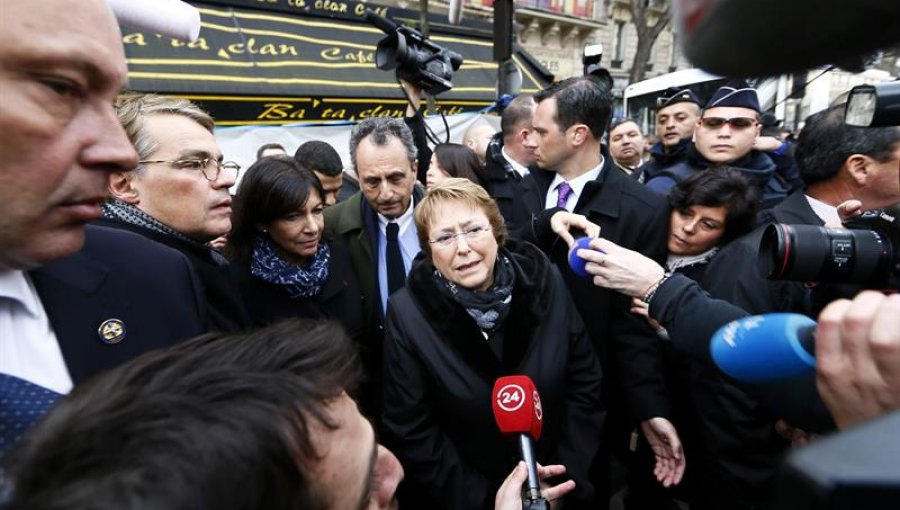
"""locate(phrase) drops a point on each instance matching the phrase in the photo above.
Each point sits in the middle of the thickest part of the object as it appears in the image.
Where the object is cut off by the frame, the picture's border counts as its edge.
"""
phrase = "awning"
(301, 61)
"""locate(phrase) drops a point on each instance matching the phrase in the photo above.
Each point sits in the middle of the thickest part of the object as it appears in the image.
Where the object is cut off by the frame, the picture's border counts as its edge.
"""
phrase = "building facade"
(555, 32)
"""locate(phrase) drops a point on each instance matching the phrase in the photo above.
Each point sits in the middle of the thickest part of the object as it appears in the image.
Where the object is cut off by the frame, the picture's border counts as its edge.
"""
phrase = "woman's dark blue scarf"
(304, 281)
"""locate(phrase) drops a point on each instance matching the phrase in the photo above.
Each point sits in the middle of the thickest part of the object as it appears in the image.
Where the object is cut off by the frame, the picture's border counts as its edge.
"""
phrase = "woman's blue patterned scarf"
(303, 281)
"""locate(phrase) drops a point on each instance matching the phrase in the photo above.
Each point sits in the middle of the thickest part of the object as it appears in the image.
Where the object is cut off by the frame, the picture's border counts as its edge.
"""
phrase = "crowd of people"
(330, 337)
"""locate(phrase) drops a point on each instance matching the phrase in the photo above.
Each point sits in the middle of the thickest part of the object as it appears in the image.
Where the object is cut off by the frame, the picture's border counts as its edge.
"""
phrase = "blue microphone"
(765, 347)
(577, 263)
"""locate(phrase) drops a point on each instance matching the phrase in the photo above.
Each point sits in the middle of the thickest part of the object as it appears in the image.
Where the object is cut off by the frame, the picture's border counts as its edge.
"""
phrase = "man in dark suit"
(509, 154)
(574, 175)
(60, 72)
(177, 195)
(376, 224)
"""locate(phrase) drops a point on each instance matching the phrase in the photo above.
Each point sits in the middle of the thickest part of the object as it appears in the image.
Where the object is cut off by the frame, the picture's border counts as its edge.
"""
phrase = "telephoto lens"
(810, 253)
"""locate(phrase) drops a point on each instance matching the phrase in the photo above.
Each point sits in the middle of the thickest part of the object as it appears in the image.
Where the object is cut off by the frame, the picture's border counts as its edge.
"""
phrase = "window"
(619, 53)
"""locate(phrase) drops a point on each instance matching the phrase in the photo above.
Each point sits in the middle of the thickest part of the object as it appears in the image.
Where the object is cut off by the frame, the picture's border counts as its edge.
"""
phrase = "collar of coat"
(453, 325)
(605, 188)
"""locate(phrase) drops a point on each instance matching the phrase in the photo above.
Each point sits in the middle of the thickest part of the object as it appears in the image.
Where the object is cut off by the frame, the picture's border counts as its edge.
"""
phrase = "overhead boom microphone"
(518, 412)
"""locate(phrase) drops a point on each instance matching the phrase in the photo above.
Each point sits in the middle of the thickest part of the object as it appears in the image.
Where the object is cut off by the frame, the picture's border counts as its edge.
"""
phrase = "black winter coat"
(504, 184)
(630, 216)
(340, 298)
(225, 308)
(439, 375)
(660, 159)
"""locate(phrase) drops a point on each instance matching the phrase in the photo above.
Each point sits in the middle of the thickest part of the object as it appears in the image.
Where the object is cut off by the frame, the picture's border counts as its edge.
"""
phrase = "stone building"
(555, 32)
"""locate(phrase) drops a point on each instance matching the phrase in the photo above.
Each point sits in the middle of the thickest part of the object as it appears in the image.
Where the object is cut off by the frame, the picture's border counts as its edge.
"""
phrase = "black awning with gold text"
(286, 61)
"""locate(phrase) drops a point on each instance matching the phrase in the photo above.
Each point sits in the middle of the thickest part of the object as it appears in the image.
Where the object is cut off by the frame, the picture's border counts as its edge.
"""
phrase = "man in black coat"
(509, 154)
(677, 111)
(178, 194)
(573, 175)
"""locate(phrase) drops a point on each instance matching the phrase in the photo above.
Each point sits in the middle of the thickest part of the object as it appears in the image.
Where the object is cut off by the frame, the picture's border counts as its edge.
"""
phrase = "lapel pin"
(111, 331)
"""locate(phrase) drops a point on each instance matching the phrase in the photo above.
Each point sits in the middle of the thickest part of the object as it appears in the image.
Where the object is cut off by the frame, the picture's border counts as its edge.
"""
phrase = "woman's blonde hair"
(457, 190)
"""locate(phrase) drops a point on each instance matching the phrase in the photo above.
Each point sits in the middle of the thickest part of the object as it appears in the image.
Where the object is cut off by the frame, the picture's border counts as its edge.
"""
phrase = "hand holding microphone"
(518, 412)
(509, 495)
(614, 267)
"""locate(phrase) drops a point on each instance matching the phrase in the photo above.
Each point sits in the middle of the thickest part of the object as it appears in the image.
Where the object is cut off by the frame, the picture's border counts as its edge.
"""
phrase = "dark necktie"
(396, 273)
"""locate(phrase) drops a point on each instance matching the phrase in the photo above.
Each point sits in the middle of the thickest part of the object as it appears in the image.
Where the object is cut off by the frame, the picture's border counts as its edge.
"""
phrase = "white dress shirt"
(827, 213)
(577, 185)
(409, 247)
(29, 349)
(518, 167)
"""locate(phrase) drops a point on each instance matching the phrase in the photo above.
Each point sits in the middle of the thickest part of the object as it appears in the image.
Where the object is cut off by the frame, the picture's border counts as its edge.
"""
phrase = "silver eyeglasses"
(203, 165)
(471, 233)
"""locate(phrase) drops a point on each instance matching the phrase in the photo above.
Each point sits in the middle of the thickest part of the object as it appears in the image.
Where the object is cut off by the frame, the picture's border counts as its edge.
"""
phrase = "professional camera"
(417, 60)
(867, 254)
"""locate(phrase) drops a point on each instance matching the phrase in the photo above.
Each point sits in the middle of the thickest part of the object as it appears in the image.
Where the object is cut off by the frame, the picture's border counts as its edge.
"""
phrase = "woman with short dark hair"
(283, 265)
(709, 209)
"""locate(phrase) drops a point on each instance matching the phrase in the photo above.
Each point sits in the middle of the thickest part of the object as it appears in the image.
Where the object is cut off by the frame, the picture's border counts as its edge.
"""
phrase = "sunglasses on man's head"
(734, 122)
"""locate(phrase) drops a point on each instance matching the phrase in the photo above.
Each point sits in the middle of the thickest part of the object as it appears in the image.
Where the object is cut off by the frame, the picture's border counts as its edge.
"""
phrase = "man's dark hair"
(720, 186)
(622, 120)
(264, 148)
(217, 422)
(320, 157)
(580, 100)
(518, 111)
(826, 142)
(271, 189)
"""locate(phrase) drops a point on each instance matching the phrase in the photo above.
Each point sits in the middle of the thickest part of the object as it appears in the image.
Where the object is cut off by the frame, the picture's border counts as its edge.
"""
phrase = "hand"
(415, 97)
(563, 221)
(620, 269)
(666, 445)
(509, 495)
(219, 243)
(638, 307)
(858, 357)
(767, 143)
(849, 209)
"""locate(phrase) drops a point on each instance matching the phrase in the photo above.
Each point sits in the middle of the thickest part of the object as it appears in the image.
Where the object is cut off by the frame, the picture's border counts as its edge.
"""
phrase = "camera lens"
(811, 253)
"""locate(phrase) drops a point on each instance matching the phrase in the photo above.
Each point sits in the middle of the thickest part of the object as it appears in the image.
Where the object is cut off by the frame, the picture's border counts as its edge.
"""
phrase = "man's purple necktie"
(563, 191)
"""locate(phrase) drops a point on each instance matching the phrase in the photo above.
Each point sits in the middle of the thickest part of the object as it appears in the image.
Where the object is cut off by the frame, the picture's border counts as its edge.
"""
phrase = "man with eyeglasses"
(178, 193)
(726, 134)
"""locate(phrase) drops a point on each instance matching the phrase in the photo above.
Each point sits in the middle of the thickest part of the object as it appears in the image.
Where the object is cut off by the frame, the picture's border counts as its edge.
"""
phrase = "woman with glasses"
(453, 160)
(477, 307)
(282, 263)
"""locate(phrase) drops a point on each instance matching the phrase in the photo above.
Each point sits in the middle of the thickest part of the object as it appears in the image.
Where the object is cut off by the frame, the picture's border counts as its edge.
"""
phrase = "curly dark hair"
(720, 186)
